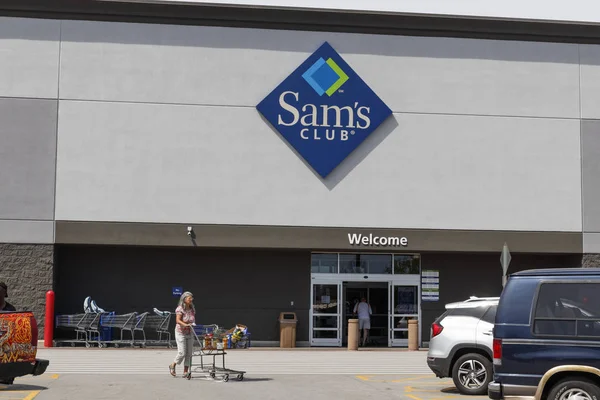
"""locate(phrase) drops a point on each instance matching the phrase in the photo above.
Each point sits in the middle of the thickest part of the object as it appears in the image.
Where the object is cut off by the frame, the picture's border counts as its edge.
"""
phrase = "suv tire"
(571, 385)
(467, 367)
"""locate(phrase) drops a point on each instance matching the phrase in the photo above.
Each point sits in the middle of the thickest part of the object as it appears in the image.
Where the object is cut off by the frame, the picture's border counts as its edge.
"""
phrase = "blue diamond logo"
(324, 110)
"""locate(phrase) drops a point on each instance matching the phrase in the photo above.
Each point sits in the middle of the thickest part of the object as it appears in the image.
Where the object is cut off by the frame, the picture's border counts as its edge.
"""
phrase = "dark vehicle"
(18, 346)
(547, 336)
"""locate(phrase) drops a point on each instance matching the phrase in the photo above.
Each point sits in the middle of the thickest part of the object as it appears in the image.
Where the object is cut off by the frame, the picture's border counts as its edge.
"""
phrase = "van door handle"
(488, 333)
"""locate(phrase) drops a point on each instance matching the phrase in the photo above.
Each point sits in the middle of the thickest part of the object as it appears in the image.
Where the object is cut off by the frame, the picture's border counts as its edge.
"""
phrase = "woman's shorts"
(364, 323)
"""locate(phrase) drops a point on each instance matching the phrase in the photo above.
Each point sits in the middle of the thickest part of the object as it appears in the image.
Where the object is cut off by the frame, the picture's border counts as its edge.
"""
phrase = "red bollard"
(49, 325)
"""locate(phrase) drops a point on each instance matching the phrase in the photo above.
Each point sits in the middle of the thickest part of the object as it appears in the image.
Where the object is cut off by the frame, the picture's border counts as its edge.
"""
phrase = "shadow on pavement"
(19, 387)
(256, 379)
(231, 380)
(450, 389)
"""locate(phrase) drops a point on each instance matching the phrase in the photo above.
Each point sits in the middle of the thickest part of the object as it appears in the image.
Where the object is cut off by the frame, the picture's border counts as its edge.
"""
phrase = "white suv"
(461, 344)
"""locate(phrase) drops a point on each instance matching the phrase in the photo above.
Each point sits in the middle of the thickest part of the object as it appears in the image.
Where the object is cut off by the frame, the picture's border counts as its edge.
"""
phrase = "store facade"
(271, 169)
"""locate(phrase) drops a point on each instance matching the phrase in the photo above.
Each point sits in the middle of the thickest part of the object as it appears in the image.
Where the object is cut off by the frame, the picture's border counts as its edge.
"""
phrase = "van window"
(518, 296)
(568, 309)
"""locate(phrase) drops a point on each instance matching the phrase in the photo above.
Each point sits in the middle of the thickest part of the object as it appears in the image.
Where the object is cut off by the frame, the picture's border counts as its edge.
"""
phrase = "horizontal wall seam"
(253, 107)
(29, 98)
(26, 220)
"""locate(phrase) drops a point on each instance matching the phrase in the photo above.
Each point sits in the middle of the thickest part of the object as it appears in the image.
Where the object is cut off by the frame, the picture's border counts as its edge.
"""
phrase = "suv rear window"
(490, 315)
(441, 317)
(568, 309)
(475, 312)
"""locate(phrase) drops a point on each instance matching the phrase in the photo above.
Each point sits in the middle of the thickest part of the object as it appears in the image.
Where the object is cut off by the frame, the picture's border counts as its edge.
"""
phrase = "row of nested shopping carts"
(95, 327)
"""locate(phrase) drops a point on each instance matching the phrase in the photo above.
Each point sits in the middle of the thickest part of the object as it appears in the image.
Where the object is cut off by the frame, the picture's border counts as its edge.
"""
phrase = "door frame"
(409, 280)
(339, 280)
(326, 280)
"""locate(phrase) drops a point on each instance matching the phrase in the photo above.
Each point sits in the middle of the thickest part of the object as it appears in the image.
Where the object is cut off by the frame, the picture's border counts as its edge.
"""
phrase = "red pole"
(49, 325)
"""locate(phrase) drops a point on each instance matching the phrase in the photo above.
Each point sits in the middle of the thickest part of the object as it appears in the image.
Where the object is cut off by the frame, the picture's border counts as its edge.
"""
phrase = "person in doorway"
(186, 316)
(5, 305)
(363, 309)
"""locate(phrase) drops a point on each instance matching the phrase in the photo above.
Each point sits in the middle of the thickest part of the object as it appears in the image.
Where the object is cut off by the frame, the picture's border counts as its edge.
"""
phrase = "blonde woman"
(186, 316)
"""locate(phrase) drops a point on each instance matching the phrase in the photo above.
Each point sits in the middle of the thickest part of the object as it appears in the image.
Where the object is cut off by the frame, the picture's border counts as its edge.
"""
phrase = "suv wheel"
(472, 373)
(571, 389)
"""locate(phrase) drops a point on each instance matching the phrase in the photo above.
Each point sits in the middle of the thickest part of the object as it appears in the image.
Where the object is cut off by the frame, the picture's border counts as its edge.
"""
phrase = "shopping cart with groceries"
(211, 341)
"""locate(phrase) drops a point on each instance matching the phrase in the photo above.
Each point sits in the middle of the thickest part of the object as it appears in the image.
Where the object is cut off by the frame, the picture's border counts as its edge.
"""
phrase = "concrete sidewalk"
(253, 348)
(261, 361)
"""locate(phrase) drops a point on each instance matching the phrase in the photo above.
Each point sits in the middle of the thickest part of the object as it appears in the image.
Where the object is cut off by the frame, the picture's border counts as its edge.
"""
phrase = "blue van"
(546, 342)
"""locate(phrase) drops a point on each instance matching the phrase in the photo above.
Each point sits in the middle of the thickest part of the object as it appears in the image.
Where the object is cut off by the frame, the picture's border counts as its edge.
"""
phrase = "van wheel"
(472, 373)
(574, 389)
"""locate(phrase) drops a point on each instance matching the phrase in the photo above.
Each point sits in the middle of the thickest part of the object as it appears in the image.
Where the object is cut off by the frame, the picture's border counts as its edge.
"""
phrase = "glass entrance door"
(404, 301)
(326, 314)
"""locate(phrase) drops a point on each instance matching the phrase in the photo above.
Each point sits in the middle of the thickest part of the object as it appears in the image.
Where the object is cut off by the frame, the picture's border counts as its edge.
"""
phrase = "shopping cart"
(123, 322)
(84, 325)
(158, 325)
(209, 343)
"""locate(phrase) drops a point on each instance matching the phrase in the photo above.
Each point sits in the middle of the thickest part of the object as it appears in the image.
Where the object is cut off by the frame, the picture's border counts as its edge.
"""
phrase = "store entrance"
(377, 295)
(391, 284)
(393, 302)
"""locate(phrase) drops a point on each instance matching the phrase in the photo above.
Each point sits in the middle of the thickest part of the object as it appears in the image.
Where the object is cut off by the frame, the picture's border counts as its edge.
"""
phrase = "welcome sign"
(324, 110)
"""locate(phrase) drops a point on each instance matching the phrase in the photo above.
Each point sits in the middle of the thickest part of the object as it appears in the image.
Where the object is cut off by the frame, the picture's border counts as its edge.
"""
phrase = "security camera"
(190, 229)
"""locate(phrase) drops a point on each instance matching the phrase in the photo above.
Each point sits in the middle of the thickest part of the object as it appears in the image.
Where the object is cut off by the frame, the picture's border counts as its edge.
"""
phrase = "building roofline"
(389, 24)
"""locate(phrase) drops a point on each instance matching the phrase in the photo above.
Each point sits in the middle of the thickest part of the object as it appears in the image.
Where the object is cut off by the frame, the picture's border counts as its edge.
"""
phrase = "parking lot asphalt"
(27, 388)
(253, 387)
(416, 387)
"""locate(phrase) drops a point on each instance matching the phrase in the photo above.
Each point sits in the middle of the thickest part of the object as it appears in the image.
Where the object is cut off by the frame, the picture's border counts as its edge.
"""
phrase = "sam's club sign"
(324, 110)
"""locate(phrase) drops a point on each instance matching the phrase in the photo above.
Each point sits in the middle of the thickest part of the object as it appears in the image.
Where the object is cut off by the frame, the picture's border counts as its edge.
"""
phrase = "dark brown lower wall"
(230, 286)
(463, 275)
(27, 270)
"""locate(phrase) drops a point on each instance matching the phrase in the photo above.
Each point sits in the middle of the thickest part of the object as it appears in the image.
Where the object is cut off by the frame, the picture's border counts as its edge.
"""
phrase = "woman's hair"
(182, 299)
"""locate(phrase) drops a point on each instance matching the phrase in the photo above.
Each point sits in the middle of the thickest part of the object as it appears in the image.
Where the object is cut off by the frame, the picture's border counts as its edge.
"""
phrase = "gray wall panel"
(228, 66)
(27, 158)
(590, 80)
(590, 164)
(29, 54)
(132, 162)
(30, 232)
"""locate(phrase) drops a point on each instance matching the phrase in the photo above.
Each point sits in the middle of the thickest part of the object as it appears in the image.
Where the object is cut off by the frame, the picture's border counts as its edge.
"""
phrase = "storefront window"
(324, 263)
(407, 264)
(325, 299)
(406, 300)
(361, 263)
(365, 263)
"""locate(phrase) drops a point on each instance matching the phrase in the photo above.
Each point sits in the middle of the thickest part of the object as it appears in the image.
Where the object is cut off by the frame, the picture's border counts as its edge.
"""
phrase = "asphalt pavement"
(92, 374)
(275, 387)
